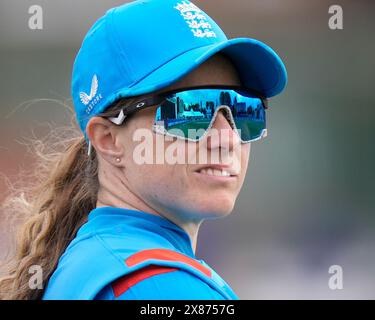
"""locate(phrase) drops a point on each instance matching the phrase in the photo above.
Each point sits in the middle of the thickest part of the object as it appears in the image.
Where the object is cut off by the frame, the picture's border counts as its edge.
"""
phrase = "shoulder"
(86, 263)
(96, 261)
(159, 282)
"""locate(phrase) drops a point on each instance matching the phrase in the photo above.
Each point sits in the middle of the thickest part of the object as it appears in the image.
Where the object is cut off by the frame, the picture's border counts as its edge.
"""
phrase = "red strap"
(124, 283)
(166, 255)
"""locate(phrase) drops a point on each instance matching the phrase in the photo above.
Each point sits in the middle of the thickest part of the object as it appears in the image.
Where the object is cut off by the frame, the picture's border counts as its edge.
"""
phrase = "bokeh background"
(309, 197)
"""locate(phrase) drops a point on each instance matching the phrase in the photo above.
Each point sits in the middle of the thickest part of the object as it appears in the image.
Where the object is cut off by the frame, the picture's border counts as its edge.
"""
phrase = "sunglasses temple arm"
(119, 119)
(265, 103)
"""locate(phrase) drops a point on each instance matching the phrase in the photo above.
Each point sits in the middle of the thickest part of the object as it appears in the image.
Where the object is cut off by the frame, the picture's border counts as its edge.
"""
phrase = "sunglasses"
(189, 113)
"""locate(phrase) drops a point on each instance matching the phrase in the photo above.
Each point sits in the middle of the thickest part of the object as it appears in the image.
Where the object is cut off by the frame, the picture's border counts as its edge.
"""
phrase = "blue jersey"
(127, 254)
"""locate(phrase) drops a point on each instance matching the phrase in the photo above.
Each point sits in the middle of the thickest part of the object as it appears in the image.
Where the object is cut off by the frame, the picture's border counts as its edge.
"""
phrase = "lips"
(218, 171)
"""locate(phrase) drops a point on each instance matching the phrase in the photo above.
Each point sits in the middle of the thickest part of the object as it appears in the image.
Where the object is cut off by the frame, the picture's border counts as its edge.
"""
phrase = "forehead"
(217, 70)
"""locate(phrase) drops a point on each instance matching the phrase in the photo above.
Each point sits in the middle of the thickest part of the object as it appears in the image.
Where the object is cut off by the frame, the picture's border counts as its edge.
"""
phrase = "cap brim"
(259, 67)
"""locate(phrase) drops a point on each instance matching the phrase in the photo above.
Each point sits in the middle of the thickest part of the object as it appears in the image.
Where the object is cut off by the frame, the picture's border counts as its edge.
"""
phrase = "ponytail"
(62, 193)
(52, 209)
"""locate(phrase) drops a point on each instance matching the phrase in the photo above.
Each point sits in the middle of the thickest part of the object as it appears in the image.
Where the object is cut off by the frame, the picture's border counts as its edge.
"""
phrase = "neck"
(191, 228)
(117, 194)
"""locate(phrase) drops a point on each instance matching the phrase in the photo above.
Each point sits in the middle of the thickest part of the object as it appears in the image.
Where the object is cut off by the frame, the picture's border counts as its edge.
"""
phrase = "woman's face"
(183, 190)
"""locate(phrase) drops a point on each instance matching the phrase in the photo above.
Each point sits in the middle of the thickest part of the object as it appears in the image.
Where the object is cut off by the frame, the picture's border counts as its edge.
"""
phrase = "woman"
(112, 221)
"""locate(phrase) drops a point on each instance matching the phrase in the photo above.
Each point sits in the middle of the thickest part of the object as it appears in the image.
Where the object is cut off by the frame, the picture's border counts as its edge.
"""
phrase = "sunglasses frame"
(159, 98)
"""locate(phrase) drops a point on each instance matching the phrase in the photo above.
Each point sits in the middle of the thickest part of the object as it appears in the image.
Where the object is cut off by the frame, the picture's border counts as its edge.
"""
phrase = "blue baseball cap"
(146, 45)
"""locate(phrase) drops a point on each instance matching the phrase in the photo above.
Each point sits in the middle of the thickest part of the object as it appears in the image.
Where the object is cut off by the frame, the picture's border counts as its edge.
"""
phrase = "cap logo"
(88, 99)
(85, 98)
(196, 19)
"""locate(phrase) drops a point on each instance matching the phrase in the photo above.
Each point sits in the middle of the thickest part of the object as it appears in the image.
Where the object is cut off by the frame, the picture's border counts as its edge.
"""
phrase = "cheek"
(163, 187)
(245, 157)
(158, 180)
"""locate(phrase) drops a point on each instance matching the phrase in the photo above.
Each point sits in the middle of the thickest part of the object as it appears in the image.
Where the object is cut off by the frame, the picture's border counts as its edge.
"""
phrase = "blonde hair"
(52, 208)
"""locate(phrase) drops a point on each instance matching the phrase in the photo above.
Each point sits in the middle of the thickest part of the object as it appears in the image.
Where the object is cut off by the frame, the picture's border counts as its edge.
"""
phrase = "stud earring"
(118, 159)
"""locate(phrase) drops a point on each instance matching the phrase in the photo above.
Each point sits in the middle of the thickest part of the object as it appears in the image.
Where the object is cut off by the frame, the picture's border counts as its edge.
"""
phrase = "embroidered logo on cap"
(85, 98)
(195, 19)
(91, 99)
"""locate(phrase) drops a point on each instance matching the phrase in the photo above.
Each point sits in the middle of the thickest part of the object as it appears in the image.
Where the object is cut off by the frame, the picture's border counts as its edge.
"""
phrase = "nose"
(221, 134)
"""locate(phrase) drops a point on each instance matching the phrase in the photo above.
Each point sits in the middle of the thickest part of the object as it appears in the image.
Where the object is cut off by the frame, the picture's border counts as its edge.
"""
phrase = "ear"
(104, 138)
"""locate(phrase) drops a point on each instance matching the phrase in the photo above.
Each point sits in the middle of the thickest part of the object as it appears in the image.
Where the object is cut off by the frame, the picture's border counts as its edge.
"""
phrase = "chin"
(216, 207)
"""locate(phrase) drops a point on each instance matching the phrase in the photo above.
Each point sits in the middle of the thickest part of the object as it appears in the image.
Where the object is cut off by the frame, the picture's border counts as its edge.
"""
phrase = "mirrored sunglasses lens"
(249, 116)
(188, 114)
(184, 118)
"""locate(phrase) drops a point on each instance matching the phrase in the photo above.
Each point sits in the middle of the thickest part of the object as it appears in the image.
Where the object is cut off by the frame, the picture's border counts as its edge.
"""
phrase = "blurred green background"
(308, 201)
